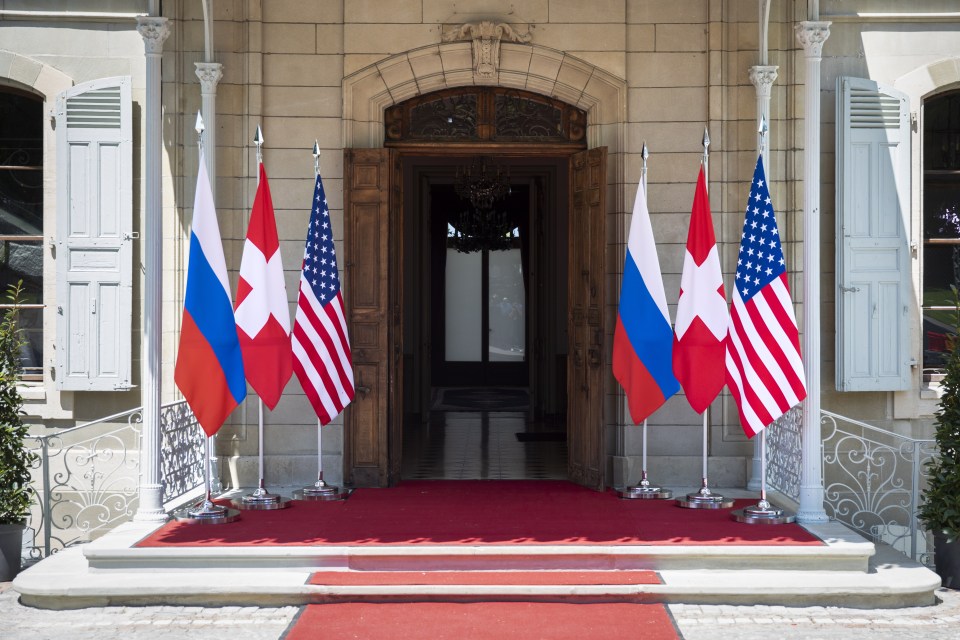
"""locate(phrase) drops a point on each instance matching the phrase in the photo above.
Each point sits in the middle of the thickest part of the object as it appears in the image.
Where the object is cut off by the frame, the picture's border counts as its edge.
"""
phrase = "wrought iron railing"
(873, 479)
(784, 454)
(86, 478)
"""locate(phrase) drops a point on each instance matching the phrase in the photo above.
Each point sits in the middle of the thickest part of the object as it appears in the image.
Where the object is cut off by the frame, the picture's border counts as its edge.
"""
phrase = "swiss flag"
(699, 347)
(262, 311)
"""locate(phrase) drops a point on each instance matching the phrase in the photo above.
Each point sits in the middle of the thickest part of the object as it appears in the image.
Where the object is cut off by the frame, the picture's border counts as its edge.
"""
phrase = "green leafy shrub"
(15, 459)
(940, 511)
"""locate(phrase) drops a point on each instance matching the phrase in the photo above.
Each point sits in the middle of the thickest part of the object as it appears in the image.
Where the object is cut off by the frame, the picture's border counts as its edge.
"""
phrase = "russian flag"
(209, 368)
(643, 341)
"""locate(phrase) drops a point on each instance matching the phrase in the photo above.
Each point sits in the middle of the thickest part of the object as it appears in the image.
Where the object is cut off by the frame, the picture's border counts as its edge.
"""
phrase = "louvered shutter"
(873, 252)
(93, 242)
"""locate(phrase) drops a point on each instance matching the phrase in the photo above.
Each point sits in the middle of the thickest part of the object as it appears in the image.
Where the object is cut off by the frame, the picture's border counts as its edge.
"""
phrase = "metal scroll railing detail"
(181, 460)
(872, 482)
(784, 453)
(86, 478)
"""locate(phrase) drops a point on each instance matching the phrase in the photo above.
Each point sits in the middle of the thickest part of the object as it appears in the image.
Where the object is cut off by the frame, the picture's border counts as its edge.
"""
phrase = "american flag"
(321, 347)
(764, 368)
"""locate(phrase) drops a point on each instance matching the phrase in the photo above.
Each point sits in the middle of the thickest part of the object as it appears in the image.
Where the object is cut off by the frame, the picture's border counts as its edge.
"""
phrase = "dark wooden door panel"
(585, 288)
(368, 235)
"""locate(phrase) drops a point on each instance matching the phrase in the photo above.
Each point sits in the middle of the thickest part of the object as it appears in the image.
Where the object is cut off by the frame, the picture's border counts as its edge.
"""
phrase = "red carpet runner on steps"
(483, 621)
(482, 512)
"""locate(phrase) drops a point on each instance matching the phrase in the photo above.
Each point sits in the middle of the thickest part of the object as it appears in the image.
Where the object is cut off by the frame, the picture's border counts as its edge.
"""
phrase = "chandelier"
(481, 226)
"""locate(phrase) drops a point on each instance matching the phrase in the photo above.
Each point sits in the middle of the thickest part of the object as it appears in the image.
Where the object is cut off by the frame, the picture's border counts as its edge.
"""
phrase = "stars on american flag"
(761, 256)
(319, 255)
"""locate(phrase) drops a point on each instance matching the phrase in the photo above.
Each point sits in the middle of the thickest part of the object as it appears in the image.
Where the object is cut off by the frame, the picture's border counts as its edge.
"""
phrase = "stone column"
(762, 77)
(209, 74)
(154, 32)
(811, 35)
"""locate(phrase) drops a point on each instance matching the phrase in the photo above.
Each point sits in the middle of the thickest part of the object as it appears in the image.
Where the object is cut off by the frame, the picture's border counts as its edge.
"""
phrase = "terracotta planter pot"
(946, 555)
(11, 546)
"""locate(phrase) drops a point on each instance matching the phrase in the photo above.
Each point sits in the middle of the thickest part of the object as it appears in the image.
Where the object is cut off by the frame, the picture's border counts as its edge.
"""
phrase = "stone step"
(846, 571)
(843, 550)
(66, 580)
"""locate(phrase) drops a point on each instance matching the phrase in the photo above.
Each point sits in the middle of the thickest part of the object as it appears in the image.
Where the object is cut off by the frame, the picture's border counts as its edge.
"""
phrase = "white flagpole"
(320, 490)
(205, 510)
(645, 490)
(261, 498)
(704, 498)
(763, 512)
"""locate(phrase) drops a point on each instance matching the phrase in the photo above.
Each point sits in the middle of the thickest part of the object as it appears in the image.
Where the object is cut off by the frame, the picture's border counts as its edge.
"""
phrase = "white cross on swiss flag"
(699, 341)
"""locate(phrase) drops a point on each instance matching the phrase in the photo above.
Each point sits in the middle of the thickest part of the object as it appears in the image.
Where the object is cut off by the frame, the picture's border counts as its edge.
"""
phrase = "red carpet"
(483, 512)
(482, 621)
(379, 578)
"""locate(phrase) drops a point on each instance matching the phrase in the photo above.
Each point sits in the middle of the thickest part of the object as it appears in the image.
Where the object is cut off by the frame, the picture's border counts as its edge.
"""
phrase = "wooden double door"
(375, 290)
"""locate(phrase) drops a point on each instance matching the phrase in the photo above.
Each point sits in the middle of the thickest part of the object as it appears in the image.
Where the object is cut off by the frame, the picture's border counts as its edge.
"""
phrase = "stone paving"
(696, 622)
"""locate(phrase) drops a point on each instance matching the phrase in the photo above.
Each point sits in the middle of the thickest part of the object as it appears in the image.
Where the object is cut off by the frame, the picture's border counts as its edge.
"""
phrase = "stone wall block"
(302, 101)
(514, 58)
(388, 38)
(672, 105)
(24, 70)
(585, 37)
(396, 73)
(444, 11)
(298, 11)
(668, 11)
(574, 75)
(457, 58)
(613, 62)
(297, 70)
(685, 37)
(376, 11)
(579, 12)
(669, 70)
(426, 63)
(299, 133)
(290, 38)
(330, 39)
(545, 64)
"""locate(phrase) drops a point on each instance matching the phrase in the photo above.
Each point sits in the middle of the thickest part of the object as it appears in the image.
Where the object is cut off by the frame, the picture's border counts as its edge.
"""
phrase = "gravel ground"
(696, 622)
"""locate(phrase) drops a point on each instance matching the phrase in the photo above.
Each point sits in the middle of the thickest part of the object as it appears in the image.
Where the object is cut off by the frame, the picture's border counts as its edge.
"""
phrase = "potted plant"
(940, 511)
(15, 459)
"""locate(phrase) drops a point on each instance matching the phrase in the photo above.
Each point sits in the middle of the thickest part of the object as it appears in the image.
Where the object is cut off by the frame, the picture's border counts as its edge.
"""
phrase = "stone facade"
(644, 70)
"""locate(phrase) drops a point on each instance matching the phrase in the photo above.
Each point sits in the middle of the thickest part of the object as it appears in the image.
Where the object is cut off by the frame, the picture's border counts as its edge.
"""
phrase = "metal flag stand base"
(644, 490)
(763, 512)
(261, 499)
(205, 511)
(320, 490)
(704, 498)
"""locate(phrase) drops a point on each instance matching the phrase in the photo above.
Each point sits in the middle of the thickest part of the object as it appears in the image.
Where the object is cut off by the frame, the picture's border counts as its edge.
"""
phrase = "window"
(941, 225)
(21, 217)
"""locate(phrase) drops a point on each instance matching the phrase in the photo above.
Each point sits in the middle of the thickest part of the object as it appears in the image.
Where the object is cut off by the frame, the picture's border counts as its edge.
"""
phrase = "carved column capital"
(209, 74)
(154, 32)
(811, 35)
(762, 77)
(486, 37)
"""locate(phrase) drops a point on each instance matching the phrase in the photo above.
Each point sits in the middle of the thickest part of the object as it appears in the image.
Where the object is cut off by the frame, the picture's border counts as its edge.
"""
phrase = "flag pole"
(320, 490)
(705, 498)
(763, 512)
(205, 511)
(645, 490)
(260, 498)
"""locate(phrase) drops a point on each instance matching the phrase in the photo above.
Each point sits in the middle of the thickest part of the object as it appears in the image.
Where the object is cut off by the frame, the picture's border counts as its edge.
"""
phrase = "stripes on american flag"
(764, 368)
(321, 347)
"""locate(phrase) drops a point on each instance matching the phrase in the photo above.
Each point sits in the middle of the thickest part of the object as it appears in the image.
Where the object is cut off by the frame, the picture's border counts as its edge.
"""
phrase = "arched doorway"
(395, 247)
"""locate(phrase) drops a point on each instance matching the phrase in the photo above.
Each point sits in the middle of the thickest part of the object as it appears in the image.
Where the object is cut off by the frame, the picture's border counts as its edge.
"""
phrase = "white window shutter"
(873, 244)
(94, 245)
